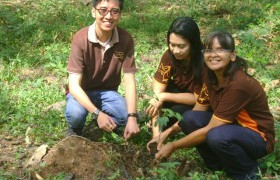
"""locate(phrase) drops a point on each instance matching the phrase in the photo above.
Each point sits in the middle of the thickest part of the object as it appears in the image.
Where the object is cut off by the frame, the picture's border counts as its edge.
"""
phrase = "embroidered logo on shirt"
(165, 72)
(119, 54)
(204, 95)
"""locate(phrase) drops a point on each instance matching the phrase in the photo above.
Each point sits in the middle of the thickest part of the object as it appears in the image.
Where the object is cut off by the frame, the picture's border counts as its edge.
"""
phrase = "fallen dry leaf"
(56, 106)
(271, 85)
(37, 156)
(27, 139)
(251, 71)
(38, 176)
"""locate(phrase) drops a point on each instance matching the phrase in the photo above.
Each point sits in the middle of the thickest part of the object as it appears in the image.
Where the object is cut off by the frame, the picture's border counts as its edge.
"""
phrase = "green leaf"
(161, 122)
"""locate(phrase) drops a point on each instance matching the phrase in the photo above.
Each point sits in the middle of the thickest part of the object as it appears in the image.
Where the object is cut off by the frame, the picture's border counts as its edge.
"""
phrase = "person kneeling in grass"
(178, 77)
(240, 129)
(98, 54)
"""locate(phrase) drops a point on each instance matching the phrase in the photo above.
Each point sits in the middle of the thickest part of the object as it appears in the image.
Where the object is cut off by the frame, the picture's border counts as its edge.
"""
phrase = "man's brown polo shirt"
(182, 76)
(101, 73)
(240, 99)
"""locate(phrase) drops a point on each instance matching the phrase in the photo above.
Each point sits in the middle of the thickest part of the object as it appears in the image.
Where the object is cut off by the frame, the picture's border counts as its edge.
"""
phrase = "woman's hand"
(158, 139)
(151, 143)
(154, 106)
(165, 151)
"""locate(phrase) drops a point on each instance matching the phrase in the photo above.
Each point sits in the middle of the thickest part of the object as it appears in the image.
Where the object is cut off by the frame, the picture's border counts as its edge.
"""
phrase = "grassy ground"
(35, 39)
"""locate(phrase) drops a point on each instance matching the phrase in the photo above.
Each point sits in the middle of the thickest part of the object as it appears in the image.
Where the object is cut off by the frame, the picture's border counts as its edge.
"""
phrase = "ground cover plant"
(35, 38)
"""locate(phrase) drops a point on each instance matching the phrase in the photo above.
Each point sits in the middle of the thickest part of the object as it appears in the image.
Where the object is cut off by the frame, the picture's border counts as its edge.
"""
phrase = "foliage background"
(35, 39)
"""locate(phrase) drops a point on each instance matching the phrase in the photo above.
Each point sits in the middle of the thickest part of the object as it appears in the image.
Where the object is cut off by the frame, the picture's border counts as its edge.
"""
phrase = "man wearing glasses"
(98, 54)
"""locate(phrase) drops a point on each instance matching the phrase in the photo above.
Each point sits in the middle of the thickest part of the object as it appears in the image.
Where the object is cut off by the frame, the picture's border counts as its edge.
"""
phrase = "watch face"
(94, 116)
(96, 112)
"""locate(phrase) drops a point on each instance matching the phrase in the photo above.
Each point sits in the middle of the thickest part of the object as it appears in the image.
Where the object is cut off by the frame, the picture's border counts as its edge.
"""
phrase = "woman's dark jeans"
(230, 147)
(175, 107)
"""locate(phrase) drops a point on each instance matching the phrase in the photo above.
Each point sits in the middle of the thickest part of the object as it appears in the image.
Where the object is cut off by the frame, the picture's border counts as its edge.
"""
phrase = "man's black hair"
(95, 2)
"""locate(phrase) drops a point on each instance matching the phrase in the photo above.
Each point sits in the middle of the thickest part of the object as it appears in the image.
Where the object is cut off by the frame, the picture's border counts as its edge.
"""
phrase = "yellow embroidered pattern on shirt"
(165, 72)
(204, 95)
(119, 54)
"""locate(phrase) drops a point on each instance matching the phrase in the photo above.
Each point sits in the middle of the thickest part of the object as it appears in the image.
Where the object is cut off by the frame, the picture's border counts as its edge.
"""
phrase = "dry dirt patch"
(81, 158)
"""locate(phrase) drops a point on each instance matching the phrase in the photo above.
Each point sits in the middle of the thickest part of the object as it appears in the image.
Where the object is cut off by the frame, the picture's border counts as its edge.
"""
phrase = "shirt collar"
(223, 85)
(92, 37)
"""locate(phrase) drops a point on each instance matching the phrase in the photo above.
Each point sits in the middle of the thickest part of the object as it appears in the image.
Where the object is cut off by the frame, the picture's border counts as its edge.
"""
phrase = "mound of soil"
(78, 158)
(81, 158)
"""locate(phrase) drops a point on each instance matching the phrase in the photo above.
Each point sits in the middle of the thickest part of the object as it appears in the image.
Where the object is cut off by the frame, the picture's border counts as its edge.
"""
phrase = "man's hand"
(105, 122)
(131, 128)
(154, 106)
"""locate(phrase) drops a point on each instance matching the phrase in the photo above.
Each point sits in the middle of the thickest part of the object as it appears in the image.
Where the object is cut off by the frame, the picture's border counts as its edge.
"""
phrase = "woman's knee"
(219, 137)
(188, 123)
(213, 137)
(189, 117)
(193, 120)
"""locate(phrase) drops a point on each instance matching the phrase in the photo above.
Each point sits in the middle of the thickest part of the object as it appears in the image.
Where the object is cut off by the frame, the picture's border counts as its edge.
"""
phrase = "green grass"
(35, 39)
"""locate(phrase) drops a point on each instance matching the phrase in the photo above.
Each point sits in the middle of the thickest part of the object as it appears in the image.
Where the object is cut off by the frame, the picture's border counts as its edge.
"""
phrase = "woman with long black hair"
(178, 75)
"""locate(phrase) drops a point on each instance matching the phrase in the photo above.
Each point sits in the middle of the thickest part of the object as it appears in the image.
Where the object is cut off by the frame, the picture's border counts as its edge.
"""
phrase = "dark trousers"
(230, 147)
(175, 107)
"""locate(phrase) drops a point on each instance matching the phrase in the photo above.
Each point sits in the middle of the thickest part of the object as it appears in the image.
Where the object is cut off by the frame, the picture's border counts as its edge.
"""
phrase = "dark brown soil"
(84, 159)
(153, 149)
(79, 158)
(13, 154)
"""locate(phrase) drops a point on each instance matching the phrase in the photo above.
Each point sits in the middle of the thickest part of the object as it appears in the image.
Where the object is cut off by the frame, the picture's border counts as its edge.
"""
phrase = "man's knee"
(115, 106)
(76, 118)
(120, 117)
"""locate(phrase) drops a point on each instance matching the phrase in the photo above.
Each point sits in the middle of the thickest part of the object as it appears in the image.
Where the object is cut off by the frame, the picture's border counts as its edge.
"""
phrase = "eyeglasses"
(114, 12)
(216, 51)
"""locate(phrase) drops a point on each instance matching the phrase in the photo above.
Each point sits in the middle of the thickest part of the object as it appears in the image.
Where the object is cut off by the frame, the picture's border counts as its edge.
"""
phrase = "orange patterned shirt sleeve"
(163, 73)
(203, 97)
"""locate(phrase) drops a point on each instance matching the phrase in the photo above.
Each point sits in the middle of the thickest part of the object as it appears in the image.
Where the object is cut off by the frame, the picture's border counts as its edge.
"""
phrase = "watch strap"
(133, 115)
(96, 112)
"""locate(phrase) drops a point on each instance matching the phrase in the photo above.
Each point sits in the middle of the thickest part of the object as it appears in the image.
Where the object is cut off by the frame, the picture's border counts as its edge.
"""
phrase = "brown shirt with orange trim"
(101, 66)
(240, 99)
(182, 76)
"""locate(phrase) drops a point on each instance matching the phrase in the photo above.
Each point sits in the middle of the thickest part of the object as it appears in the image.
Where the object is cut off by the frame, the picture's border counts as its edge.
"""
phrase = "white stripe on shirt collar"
(92, 37)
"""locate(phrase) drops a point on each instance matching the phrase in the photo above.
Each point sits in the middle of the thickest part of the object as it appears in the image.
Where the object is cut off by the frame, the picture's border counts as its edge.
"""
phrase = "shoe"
(72, 132)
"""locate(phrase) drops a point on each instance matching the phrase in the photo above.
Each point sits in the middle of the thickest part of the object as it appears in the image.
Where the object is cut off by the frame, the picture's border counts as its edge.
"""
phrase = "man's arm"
(130, 95)
(78, 93)
(104, 121)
